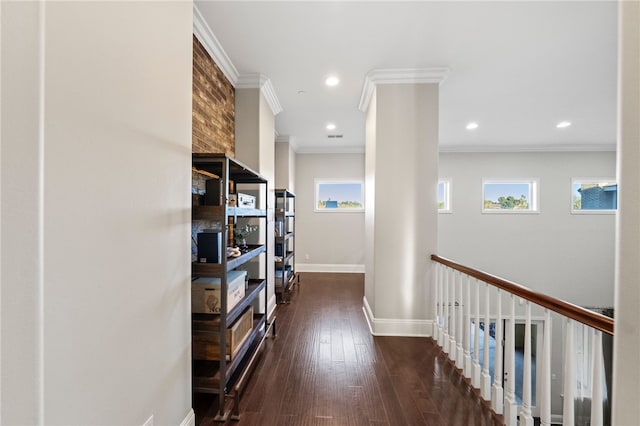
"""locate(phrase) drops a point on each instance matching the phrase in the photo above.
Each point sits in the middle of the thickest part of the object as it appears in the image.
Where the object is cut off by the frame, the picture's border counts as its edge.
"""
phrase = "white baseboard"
(396, 327)
(190, 420)
(328, 267)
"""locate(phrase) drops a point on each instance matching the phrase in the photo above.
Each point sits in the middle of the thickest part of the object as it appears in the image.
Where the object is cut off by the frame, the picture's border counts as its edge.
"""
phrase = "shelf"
(238, 172)
(215, 269)
(285, 259)
(287, 285)
(217, 212)
(282, 193)
(282, 212)
(206, 374)
(285, 237)
(255, 287)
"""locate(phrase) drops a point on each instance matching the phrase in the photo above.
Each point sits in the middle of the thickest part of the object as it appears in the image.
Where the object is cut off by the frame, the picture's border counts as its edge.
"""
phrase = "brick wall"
(213, 105)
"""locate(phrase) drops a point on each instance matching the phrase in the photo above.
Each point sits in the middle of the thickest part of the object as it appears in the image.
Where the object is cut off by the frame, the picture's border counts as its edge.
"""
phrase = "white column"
(510, 403)
(545, 387)
(525, 413)
(485, 378)
(597, 379)
(497, 397)
(569, 376)
(401, 134)
(626, 374)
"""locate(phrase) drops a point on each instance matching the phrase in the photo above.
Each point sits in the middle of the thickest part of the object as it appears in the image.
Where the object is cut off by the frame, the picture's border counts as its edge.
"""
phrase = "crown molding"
(331, 150)
(399, 76)
(262, 82)
(529, 148)
(211, 44)
(288, 139)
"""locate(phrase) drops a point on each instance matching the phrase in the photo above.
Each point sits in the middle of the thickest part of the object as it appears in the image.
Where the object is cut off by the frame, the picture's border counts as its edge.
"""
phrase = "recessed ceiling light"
(563, 124)
(331, 126)
(332, 81)
(472, 125)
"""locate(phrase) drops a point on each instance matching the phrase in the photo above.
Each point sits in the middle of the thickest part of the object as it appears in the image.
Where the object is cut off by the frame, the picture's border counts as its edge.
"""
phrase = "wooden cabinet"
(238, 332)
(285, 246)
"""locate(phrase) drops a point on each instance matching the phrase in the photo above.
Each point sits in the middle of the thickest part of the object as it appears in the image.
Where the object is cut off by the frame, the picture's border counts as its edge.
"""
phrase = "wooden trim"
(585, 316)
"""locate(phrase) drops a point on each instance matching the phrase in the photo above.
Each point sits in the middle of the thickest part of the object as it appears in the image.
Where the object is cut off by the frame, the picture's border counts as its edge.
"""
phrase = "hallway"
(325, 368)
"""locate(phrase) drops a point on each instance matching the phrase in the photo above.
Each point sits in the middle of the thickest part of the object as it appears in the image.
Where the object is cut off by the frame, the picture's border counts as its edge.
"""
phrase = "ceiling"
(516, 68)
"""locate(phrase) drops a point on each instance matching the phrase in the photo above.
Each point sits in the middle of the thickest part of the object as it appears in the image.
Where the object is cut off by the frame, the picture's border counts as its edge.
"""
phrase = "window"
(444, 196)
(594, 195)
(510, 196)
(339, 195)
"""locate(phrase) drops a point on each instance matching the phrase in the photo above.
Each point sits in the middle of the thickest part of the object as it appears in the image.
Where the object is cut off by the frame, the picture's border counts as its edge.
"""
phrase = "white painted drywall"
(255, 129)
(285, 172)
(329, 239)
(107, 310)
(555, 252)
(405, 175)
(626, 375)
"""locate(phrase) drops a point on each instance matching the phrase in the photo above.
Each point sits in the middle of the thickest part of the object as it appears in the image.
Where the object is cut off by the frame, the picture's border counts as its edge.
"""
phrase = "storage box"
(246, 201)
(206, 296)
(207, 346)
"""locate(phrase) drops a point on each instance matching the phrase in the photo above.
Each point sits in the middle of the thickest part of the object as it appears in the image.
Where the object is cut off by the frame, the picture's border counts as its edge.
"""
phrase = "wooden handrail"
(585, 316)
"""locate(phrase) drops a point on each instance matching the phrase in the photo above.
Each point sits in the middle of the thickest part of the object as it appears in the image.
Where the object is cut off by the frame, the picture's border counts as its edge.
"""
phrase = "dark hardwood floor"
(325, 368)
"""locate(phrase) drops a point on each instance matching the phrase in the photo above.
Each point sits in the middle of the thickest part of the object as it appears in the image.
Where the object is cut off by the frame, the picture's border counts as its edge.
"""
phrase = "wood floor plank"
(325, 368)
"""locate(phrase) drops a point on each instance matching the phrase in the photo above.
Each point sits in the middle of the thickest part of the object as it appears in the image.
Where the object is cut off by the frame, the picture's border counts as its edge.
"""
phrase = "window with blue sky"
(339, 195)
(509, 195)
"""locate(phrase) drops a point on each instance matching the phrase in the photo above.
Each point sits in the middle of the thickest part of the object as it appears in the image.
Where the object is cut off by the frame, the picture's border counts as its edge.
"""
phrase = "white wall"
(255, 129)
(332, 241)
(626, 409)
(285, 172)
(99, 328)
(555, 252)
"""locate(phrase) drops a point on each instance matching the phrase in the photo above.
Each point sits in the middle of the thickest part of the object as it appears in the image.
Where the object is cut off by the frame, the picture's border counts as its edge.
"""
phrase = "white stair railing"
(459, 291)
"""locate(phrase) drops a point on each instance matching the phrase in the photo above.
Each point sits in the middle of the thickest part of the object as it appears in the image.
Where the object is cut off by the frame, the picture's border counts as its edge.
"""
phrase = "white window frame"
(591, 180)
(447, 196)
(319, 182)
(533, 195)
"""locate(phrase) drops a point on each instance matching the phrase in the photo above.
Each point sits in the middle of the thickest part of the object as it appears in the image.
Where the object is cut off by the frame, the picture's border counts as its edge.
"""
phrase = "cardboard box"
(206, 296)
(207, 346)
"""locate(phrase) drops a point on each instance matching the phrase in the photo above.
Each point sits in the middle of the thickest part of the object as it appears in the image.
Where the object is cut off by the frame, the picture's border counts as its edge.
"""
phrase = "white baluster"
(460, 333)
(445, 282)
(436, 324)
(441, 310)
(597, 380)
(545, 376)
(510, 402)
(485, 378)
(452, 303)
(467, 327)
(526, 418)
(475, 379)
(497, 393)
(568, 417)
